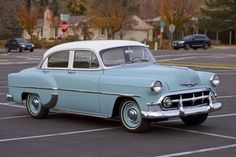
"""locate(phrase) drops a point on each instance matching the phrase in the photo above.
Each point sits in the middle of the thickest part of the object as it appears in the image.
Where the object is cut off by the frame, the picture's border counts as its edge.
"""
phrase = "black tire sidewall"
(142, 127)
(42, 113)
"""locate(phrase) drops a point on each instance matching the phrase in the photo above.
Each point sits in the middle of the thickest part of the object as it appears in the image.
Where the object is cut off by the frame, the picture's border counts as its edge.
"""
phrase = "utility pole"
(161, 31)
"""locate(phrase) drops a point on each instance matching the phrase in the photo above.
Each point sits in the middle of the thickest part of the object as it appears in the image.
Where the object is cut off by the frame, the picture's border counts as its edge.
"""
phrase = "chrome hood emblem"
(189, 84)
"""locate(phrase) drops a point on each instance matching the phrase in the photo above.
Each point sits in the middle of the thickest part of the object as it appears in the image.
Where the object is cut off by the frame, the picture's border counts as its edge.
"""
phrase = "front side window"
(85, 59)
(126, 55)
(59, 60)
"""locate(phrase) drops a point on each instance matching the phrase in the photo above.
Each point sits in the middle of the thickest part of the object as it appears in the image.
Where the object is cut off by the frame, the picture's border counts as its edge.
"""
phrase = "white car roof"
(95, 45)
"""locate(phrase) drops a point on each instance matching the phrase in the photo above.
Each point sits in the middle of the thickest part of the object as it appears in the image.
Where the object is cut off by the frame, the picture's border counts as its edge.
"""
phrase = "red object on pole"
(64, 26)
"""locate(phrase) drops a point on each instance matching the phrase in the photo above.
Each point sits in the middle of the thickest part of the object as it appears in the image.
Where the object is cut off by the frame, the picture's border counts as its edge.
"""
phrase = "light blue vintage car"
(114, 78)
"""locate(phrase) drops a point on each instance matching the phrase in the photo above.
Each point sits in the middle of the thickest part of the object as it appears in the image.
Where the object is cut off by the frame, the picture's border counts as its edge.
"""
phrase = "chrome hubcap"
(132, 114)
(35, 103)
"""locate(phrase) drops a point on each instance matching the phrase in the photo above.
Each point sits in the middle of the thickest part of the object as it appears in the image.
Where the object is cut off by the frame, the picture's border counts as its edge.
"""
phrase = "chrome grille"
(189, 99)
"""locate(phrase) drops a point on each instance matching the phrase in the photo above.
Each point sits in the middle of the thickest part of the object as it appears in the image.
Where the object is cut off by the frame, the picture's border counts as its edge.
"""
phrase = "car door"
(14, 44)
(55, 69)
(196, 41)
(83, 82)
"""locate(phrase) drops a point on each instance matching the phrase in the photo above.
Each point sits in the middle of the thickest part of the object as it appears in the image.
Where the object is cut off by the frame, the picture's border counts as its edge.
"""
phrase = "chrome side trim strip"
(120, 94)
(62, 110)
(82, 91)
(34, 87)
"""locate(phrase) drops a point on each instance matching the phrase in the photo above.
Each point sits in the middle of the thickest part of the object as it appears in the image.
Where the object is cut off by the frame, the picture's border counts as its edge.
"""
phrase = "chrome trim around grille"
(159, 101)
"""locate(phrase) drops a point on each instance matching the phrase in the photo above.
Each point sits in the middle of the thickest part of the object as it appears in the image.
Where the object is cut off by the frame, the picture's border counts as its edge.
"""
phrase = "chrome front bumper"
(182, 111)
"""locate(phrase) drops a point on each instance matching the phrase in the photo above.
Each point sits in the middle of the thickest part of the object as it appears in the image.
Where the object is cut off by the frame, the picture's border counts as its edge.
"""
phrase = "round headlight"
(156, 86)
(215, 80)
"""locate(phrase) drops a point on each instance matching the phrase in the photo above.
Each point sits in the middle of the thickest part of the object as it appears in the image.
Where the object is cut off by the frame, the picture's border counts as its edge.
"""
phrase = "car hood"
(176, 78)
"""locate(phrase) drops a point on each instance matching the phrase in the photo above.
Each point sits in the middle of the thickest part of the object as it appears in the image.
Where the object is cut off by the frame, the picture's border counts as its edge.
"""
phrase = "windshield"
(126, 55)
(189, 37)
(21, 40)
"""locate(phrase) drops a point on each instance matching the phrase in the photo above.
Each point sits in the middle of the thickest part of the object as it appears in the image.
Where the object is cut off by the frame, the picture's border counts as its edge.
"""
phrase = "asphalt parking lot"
(70, 135)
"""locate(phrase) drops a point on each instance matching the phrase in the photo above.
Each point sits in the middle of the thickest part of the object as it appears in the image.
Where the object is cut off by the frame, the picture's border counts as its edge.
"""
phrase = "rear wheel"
(194, 119)
(131, 117)
(19, 49)
(176, 48)
(195, 48)
(187, 46)
(35, 108)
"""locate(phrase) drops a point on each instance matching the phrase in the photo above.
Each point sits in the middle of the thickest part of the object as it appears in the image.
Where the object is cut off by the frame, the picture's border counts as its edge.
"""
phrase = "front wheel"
(35, 108)
(19, 49)
(131, 117)
(205, 46)
(194, 119)
(187, 46)
(8, 49)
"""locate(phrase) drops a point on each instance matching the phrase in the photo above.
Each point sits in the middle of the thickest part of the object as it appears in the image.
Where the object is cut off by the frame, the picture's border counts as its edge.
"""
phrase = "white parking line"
(56, 134)
(12, 105)
(198, 132)
(199, 151)
(227, 73)
(14, 117)
(223, 115)
(176, 59)
(175, 55)
(209, 117)
(226, 96)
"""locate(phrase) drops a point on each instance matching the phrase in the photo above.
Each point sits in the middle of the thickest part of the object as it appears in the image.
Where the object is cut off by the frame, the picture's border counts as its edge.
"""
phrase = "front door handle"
(71, 71)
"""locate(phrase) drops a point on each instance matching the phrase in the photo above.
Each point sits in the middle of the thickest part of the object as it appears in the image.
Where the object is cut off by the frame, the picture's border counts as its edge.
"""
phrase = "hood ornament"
(189, 84)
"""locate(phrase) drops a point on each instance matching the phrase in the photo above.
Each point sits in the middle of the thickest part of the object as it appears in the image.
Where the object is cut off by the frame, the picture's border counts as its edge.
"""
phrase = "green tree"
(218, 15)
(76, 7)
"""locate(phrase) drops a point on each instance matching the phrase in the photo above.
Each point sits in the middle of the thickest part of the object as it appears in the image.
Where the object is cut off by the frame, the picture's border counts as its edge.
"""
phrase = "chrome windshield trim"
(80, 91)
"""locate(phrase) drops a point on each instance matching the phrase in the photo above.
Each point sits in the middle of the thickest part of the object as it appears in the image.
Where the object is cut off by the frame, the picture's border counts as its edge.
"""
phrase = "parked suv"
(192, 41)
(19, 44)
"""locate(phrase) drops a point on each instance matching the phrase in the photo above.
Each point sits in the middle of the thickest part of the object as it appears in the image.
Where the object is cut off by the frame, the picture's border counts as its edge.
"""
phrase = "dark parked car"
(192, 41)
(19, 44)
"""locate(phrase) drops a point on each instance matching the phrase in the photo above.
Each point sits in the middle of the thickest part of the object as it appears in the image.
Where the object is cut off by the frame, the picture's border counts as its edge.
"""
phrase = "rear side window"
(59, 60)
(85, 59)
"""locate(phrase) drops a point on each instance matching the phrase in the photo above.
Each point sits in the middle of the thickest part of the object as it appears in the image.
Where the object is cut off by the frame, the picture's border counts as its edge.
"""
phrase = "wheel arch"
(115, 112)
(24, 96)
